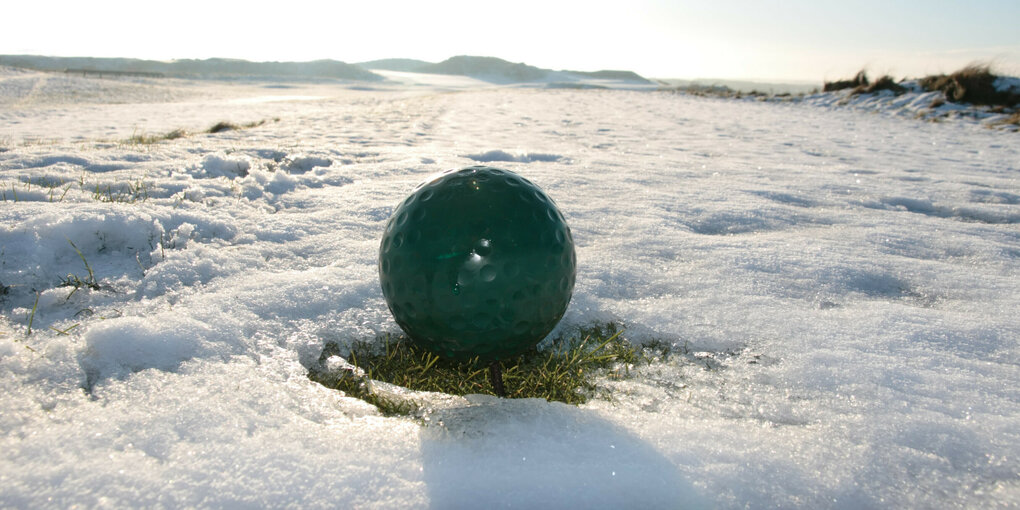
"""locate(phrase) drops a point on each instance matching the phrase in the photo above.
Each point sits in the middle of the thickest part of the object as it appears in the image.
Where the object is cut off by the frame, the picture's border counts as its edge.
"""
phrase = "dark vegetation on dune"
(860, 80)
(886, 82)
(860, 84)
(974, 84)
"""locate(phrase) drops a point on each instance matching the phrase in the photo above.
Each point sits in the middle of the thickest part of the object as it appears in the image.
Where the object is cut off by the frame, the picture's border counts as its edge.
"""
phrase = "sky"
(793, 40)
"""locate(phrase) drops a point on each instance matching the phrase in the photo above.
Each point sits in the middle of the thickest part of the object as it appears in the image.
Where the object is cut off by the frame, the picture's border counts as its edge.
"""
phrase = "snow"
(846, 284)
(503, 156)
(1007, 84)
(221, 166)
(432, 81)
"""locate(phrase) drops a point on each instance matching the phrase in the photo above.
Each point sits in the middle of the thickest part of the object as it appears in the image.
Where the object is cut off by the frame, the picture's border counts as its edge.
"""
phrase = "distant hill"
(40, 63)
(491, 69)
(395, 64)
(499, 70)
(209, 67)
(612, 75)
(486, 68)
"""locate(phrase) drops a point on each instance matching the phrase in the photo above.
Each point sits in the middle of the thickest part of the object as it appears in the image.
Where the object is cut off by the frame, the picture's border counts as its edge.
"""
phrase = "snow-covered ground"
(848, 284)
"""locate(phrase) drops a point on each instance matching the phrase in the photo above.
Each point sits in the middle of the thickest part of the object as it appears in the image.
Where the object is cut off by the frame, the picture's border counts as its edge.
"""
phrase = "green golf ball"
(477, 262)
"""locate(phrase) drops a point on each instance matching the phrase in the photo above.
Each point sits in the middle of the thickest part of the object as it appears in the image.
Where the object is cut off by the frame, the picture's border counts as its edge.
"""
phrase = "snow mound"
(302, 164)
(46, 242)
(503, 156)
(597, 464)
(132, 344)
(216, 165)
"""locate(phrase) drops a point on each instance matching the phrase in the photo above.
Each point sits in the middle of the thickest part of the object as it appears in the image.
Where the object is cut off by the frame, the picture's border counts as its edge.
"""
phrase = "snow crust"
(846, 285)
(503, 156)
(1007, 84)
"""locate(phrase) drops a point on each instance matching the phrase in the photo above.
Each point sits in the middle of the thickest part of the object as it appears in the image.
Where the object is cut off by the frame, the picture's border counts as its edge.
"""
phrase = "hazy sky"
(772, 40)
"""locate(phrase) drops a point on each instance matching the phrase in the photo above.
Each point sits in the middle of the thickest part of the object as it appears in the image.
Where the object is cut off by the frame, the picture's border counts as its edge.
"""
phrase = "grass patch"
(884, 83)
(128, 193)
(148, 139)
(230, 126)
(219, 127)
(566, 371)
(699, 90)
(859, 80)
(56, 189)
(974, 84)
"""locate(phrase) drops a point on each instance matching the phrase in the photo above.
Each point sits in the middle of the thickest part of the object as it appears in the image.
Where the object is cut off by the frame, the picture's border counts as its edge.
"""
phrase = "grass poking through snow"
(75, 281)
(31, 317)
(230, 126)
(565, 371)
(219, 127)
(148, 139)
(125, 193)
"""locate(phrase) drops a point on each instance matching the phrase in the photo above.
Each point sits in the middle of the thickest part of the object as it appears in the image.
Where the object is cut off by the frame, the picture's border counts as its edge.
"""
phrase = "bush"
(974, 84)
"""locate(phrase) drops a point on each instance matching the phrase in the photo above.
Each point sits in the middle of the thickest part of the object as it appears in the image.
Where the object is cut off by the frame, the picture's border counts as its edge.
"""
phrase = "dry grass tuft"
(884, 83)
(1013, 120)
(860, 80)
(147, 139)
(219, 127)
